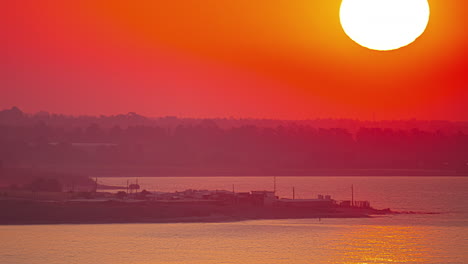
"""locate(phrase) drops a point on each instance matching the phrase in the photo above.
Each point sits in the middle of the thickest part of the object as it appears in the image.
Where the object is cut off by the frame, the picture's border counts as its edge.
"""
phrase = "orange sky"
(219, 58)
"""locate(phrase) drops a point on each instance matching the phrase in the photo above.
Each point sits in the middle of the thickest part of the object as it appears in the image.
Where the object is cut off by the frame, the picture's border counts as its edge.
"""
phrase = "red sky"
(215, 58)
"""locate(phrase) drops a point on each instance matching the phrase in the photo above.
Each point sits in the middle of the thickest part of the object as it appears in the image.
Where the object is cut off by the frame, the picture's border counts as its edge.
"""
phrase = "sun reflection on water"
(384, 244)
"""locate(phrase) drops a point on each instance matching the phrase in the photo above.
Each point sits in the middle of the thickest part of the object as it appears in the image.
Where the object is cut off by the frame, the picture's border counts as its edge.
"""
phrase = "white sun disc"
(384, 24)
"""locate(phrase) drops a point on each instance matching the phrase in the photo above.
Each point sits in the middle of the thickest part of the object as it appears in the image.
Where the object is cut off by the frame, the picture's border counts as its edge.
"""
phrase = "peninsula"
(187, 206)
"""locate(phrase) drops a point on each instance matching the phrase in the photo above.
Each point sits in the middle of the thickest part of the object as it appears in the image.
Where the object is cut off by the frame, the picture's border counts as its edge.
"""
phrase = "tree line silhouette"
(206, 148)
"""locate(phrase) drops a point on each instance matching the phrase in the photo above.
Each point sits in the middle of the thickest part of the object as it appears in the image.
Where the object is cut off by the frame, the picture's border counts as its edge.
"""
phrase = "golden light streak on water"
(386, 244)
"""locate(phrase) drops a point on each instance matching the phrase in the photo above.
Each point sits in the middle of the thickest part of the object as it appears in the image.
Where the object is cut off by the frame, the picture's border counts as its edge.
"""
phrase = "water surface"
(412, 238)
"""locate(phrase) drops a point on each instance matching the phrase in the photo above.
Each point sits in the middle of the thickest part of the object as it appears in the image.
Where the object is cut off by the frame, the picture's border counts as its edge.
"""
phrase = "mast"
(274, 184)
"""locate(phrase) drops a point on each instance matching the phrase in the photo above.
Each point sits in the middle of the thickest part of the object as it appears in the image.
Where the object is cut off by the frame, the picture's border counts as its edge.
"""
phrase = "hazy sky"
(214, 58)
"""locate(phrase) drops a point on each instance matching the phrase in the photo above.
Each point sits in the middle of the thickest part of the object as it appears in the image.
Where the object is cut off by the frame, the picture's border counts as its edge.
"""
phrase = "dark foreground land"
(82, 212)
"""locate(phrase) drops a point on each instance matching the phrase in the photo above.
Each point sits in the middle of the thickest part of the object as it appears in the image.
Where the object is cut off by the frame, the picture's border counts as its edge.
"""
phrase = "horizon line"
(234, 117)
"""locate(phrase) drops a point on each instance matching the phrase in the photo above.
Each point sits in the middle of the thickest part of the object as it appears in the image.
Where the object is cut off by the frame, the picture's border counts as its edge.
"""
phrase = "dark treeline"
(137, 145)
(15, 117)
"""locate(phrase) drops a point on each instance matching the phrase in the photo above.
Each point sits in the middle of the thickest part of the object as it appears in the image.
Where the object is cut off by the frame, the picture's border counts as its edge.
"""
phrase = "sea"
(434, 228)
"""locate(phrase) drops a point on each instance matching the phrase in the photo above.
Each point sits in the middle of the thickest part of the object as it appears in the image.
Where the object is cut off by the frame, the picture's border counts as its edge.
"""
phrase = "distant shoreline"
(28, 212)
(246, 176)
(317, 173)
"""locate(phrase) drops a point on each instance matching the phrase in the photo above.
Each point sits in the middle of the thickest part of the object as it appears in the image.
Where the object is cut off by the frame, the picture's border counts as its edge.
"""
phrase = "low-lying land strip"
(113, 211)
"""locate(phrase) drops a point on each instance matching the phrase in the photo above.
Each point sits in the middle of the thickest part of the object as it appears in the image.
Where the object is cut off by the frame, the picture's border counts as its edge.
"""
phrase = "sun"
(384, 24)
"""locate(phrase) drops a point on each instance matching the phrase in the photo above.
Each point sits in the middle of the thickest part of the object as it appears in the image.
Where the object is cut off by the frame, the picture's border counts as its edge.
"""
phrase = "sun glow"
(384, 24)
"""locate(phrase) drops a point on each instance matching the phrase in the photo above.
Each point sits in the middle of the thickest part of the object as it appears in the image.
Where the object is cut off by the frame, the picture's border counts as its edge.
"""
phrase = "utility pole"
(274, 184)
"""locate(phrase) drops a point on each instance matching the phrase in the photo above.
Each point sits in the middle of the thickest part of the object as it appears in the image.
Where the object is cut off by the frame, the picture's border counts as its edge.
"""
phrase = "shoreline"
(28, 212)
(189, 220)
(355, 173)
